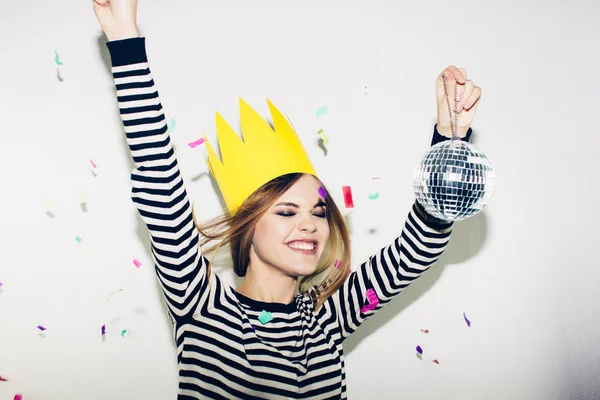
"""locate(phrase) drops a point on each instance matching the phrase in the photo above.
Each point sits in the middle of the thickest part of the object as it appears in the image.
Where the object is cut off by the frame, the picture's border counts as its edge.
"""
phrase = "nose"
(307, 224)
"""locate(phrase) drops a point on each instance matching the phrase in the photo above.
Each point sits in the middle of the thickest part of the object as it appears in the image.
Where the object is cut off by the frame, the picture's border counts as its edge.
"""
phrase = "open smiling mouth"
(303, 247)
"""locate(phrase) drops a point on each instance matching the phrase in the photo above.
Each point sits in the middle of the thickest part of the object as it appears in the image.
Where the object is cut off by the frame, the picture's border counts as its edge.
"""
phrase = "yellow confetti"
(49, 204)
(82, 197)
(323, 136)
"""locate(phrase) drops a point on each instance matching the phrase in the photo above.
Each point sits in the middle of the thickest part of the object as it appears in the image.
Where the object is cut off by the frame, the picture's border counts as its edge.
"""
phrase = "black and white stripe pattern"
(224, 352)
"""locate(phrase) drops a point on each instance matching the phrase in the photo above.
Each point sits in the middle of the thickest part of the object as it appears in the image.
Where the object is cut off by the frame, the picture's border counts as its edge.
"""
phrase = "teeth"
(302, 245)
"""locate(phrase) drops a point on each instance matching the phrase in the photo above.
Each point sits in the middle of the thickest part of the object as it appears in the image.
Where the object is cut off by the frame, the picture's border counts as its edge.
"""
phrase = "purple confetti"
(419, 350)
(103, 330)
(467, 320)
(1, 284)
(322, 192)
(41, 328)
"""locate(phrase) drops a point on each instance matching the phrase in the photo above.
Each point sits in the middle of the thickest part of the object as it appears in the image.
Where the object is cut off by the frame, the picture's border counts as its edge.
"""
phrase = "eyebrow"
(320, 203)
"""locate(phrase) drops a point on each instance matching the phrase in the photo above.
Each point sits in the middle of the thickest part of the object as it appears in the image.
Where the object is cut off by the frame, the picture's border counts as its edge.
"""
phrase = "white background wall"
(525, 270)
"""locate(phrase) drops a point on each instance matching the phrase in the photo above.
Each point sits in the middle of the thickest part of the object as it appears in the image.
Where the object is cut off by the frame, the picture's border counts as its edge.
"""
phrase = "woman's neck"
(267, 285)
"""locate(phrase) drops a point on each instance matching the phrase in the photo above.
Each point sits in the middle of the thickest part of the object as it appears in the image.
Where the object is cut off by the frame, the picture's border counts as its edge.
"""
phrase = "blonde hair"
(237, 231)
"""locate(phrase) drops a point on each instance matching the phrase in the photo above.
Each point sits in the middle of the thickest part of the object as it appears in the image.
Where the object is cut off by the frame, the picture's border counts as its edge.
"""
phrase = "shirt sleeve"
(388, 272)
(158, 190)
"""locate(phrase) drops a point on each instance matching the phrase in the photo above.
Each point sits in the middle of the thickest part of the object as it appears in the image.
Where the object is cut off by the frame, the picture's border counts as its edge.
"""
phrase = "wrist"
(122, 34)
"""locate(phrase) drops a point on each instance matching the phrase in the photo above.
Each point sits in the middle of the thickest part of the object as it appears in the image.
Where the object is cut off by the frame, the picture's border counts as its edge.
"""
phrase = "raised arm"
(158, 189)
(421, 243)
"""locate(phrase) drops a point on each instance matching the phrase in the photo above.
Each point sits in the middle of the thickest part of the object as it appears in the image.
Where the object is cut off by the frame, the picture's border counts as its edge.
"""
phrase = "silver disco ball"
(454, 180)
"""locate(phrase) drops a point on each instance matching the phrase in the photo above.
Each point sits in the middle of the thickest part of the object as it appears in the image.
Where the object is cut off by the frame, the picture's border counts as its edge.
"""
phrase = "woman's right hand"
(118, 18)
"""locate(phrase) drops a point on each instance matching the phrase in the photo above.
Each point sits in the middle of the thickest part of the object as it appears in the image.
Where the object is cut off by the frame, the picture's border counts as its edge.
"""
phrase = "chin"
(303, 271)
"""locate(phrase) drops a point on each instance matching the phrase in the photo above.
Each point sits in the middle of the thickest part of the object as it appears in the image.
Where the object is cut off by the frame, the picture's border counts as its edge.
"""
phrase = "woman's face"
(291, 235)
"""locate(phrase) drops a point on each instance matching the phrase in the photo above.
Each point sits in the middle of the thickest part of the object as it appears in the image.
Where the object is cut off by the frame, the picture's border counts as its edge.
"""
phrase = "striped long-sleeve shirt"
(223, 350)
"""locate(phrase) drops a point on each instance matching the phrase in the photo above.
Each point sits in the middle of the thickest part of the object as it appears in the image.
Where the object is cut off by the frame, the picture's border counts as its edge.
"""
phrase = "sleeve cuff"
(438, 137)
(127, 51)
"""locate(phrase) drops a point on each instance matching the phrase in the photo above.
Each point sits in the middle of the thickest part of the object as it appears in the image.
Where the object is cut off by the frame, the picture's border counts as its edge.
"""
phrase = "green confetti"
(171, 125)
(57, 59)
(374, 195)
(321, 111)
(78, 239)
(265, 317)
(123, 332)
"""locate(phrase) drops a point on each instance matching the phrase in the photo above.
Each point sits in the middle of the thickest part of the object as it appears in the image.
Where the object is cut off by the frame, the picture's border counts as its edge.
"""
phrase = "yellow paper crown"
(264, 154)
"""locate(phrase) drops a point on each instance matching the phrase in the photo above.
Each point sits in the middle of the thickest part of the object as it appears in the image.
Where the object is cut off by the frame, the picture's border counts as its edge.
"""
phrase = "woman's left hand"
(468, 100)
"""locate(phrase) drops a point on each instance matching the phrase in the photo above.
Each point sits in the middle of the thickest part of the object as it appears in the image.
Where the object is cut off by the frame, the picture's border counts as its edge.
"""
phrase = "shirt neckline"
(266, 306)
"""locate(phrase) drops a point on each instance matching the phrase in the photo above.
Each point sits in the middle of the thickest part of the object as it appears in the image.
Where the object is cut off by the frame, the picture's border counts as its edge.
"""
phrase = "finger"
(473, 98)
(469, 86)
(456, 74)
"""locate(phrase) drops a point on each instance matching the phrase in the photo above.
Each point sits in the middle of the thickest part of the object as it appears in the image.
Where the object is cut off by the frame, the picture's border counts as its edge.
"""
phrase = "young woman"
(279, 335)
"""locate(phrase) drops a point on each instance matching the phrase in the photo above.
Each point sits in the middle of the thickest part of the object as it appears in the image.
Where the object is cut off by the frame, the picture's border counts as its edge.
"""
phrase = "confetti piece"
(57, 59)
(171, 125)
(93, 164)
(103, 329)
(82, 197)
(373, 301)
(137, 263)
(425, 330)
(348, 196)
(18, 396)
(323, 136)
(338, 263)
(265, 317)
(196, 143)
(375, 178)
(78, 238)
(123, 332)
(322, 193)
(467, 320)
(1, 284)
(253, 328)
(419, 350)
(41, 328)
(3, 379)
(374, 195)
(321, 111)
(436, 361)
(49, 204)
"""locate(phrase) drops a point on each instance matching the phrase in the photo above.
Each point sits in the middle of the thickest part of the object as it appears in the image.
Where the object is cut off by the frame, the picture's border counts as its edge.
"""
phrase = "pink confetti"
(93, 164)
(373, 301)
(338, 263)
(41, 328)
(436, 361)
(467, 320)
(419, 350)
(3, 379)
(372, 297)
(348, 201)
(196, 143)
(18, 396)
(137, 263)
(425, 330)
(322, 193)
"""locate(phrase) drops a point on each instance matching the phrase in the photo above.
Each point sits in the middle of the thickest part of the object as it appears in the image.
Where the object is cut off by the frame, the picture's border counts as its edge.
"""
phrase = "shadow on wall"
(467, 239)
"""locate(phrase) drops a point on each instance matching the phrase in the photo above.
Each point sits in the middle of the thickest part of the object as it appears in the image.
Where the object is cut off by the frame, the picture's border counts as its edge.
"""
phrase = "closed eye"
(287, 214)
